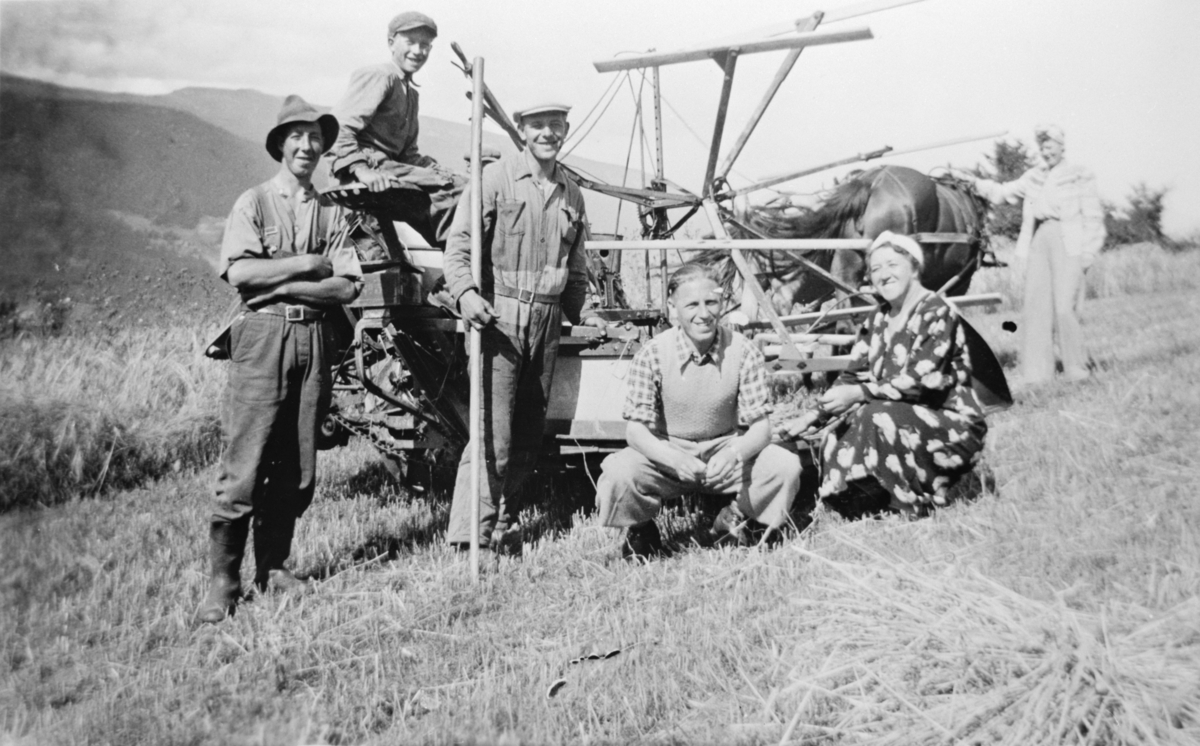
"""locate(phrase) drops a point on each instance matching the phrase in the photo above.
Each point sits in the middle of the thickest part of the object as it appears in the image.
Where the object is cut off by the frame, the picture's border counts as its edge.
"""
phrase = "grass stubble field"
(1060, 607)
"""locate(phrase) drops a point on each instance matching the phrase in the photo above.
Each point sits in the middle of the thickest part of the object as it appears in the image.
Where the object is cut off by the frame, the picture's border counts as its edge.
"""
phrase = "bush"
(1141, 222)
(1007, 162)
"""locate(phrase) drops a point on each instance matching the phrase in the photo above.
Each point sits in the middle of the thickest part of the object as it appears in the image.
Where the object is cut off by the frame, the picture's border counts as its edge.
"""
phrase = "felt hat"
(900, 243)
(409, 20)
(540, 107)
(296, 109)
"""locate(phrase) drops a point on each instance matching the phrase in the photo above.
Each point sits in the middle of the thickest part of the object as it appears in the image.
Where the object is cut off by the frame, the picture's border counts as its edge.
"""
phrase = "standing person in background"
(377, 143)
(1062, 231)
(534, 274)
(276, 253)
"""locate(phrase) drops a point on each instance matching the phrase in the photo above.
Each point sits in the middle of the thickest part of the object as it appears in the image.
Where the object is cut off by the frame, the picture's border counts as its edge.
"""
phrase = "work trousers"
(278, 393)
(1052, 282)
(631, 489)
(427, 199)
(519, 353)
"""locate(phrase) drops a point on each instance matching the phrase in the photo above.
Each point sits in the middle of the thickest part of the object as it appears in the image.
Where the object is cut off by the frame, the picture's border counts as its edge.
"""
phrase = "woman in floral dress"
(910, 424)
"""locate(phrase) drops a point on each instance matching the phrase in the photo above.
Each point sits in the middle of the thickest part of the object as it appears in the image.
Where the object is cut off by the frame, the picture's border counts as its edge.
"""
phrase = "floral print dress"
(921, 427)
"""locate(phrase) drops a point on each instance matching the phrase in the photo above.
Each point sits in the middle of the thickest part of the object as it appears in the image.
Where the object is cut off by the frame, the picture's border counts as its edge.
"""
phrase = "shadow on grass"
(873, 501)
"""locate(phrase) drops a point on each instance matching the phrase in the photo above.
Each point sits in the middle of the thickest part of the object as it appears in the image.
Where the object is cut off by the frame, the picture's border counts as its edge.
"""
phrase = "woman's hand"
(804, 425)
(838, 399)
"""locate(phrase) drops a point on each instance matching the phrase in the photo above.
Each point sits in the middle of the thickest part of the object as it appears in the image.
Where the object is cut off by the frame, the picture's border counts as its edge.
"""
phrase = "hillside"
(103, 185)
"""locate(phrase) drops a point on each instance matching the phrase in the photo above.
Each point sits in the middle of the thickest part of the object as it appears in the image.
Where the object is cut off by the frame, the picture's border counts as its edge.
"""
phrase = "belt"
(291, 313)
(524, 296)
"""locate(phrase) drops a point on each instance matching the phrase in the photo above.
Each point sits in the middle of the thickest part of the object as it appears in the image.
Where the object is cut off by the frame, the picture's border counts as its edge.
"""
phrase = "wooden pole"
(808, 263)
(773, 180)
(788, 28)
(729, 63)
(729, 244)
(962, 301)
(660, 175)
(809, 24)
(750, 280)
(476, 353)
(810, 39)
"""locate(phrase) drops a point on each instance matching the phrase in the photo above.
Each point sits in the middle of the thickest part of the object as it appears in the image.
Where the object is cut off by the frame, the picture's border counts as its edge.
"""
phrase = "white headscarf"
(900, 243)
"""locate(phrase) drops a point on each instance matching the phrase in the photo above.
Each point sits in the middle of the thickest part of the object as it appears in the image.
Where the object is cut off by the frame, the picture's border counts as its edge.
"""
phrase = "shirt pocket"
(510, 235)
(272, 240)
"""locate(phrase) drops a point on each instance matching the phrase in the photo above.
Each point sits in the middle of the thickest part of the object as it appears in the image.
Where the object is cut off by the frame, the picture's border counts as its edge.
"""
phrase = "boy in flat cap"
(534, 274)
(377, 141)
(277, 254)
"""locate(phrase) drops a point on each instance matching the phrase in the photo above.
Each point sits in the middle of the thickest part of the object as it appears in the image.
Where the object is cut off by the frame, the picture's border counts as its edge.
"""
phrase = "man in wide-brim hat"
(277, 253)
(377, 142)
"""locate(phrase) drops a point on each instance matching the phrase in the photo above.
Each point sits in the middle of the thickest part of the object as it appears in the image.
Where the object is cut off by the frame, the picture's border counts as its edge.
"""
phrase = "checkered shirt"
(643, 381)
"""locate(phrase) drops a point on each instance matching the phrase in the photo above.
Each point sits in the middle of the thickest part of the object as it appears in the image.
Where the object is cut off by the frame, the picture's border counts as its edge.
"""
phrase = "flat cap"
(539, 108)
(409, 20)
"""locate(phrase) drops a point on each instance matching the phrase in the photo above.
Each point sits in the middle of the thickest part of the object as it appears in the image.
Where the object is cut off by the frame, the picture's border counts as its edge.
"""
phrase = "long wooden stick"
(476, 352)
(788, 28)
(729, 63)
(750, 280)
(492, 107)
(653, 59)
(660, 174)
(764, 244)
(962, 301)
(808, 263)
(773, 180)
(785, 67)
(729, 244)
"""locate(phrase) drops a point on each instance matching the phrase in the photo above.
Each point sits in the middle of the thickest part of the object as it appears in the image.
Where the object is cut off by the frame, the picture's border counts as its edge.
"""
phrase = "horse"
(894, 198)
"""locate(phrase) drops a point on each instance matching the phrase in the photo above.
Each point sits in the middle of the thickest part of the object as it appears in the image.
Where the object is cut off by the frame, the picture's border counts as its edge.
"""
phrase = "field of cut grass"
(1060, 607)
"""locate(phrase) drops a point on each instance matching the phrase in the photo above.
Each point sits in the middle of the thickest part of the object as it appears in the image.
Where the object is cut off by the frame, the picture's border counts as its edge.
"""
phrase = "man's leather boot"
(272, 547)
(226, 547)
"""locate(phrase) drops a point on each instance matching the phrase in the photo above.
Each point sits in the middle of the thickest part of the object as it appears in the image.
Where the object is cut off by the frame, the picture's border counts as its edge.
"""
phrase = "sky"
(1119, 76)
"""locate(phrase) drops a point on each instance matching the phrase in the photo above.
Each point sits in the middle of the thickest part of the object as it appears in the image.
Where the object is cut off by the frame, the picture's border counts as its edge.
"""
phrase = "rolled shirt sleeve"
(754, 389)
(643, 383)
(244, 235)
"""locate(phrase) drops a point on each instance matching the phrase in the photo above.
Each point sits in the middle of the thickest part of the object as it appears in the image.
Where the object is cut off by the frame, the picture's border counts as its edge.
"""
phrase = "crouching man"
(276, 253)
(698, 405)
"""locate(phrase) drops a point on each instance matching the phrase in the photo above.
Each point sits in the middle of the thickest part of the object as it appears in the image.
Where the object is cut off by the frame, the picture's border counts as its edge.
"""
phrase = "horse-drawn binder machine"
(792, 273)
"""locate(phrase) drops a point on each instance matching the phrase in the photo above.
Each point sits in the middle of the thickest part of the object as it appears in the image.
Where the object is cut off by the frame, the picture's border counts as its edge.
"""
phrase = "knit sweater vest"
(700, 401)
